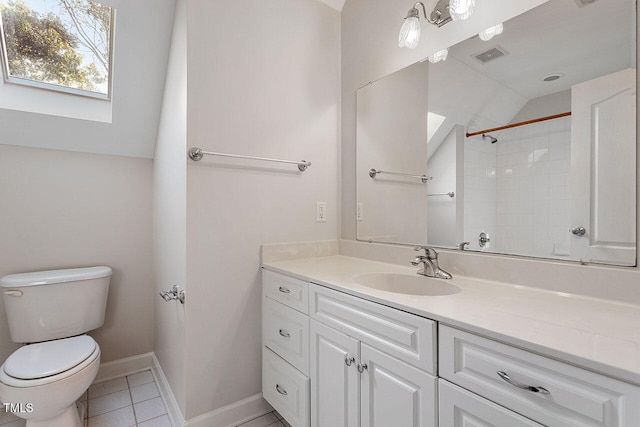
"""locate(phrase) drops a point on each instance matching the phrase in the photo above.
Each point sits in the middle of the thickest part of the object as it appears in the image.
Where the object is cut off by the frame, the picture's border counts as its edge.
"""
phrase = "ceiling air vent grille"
(491, 54)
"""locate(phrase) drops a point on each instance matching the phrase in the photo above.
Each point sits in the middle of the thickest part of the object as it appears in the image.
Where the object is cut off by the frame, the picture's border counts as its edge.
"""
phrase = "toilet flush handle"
(13, 293)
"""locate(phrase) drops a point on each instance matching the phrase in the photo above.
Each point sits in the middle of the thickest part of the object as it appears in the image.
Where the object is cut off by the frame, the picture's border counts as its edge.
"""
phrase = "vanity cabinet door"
(335, 380)
(395, 393)
(460, 408)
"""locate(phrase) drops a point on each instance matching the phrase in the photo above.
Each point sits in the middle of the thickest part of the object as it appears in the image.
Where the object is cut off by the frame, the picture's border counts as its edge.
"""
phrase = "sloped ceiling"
(142, 38)
(591, 41)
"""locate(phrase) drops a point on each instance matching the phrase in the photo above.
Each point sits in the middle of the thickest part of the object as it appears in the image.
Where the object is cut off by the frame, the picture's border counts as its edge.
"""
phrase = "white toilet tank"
(47, 305)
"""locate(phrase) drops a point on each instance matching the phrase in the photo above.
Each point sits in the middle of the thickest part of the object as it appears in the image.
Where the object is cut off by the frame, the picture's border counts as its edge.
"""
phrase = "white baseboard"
(227, 416)
(233, 414)
(170, 402)
(126, 366)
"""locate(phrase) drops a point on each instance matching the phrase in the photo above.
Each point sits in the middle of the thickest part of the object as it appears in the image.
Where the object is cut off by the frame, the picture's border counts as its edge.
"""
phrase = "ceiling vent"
(491, 54)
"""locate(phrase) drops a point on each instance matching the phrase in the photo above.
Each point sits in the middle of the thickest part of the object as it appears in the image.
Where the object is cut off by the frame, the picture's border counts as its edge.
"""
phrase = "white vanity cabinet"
(547, 391)
(285, 346)
(355, 381)
(331, 359)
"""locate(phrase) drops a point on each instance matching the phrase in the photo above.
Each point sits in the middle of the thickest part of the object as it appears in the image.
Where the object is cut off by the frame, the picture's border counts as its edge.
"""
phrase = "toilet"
(50, 311)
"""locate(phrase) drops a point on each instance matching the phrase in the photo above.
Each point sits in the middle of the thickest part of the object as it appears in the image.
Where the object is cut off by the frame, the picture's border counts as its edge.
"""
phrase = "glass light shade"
(489, 33)
(461, 9)
(441, 55)
(410, 33)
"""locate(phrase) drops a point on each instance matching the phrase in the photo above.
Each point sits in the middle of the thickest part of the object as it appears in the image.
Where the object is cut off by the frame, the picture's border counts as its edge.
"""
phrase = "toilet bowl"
(44, 380)
(50, 311)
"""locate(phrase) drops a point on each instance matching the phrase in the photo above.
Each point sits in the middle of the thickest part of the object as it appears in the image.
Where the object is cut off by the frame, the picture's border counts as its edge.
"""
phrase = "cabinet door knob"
(530, 388)
(362, 367)
(349, 360)
(284, 333)
(284, 290)
(281, 390)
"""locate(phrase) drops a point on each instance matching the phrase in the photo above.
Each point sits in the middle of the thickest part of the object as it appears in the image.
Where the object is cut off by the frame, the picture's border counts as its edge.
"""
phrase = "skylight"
(62, 45)
(433, 123)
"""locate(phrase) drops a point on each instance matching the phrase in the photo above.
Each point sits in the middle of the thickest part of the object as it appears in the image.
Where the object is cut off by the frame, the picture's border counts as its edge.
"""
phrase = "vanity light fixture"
(461, 9)
(491, 32)
(440, 55)
(410, 31)
(443, 12)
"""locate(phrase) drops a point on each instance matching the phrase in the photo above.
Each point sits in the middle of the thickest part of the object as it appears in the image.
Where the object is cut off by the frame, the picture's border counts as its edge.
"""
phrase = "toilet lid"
(49, 358)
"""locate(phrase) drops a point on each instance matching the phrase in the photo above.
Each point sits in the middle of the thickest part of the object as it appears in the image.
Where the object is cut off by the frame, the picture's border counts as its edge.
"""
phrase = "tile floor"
(272, 419)
(130, 401)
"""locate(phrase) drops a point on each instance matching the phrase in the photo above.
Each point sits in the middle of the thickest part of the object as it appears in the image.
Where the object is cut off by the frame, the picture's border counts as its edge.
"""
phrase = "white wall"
(170, 213)
(393, 207)
(263, 80)
(442, 216)
(62, 210)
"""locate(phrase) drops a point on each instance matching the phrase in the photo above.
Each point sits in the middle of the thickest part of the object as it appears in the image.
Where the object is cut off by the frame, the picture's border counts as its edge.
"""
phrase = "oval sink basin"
(407, 284)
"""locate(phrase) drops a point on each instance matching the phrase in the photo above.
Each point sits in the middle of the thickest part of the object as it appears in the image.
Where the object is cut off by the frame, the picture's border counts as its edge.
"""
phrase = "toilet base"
(68, 418)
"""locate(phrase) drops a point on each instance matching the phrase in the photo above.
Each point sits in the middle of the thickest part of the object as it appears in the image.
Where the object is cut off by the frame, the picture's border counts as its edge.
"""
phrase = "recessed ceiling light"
(552, 77)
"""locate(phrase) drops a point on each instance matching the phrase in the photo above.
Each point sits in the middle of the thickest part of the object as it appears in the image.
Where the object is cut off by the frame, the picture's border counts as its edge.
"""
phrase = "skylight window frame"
(59, 88)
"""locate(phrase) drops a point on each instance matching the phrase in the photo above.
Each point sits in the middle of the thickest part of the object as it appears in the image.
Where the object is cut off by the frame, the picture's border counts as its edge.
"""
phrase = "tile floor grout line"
(133, 408)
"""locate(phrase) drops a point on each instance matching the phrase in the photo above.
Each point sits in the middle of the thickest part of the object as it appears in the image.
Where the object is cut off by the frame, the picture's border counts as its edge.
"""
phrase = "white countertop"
(596, 334)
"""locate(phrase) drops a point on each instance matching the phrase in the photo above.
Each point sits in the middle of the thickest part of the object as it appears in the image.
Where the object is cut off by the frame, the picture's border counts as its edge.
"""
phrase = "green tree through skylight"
(58, 42)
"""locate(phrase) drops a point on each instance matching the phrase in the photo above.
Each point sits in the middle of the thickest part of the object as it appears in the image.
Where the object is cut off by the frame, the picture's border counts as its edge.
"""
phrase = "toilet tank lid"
(54, 276)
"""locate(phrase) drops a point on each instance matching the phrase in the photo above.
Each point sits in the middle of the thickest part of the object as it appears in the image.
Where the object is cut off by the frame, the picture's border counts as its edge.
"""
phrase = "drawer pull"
(530, 388)
(281, 390)
(362, 367)
(349, 360)
(284, 333)
(284, 290)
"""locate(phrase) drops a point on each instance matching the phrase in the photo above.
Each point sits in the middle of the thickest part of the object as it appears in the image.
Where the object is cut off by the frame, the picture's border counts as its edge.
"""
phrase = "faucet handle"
(428, 251)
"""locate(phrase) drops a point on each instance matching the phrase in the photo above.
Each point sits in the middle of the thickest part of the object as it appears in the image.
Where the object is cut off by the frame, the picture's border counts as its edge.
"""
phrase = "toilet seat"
(49, 361)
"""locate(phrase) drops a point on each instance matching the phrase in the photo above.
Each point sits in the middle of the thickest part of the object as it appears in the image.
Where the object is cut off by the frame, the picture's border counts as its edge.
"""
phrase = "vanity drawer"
(576, 397)
(461, 408)
(405, 336)
(286, 332)
(286, 389)
(287, 290)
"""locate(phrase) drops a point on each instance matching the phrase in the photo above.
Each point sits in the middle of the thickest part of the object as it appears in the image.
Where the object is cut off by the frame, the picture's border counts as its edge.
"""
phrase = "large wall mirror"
(524, 144)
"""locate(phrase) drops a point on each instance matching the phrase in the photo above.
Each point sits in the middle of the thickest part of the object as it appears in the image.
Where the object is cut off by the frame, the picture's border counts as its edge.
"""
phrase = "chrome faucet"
(430, 261)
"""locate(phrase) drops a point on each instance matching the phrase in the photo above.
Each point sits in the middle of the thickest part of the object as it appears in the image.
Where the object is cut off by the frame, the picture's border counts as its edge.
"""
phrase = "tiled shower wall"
(479, 190)
(527, 188)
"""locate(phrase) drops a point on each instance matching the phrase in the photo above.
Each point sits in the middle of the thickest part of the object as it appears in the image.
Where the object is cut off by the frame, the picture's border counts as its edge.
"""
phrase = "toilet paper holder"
(174, 293)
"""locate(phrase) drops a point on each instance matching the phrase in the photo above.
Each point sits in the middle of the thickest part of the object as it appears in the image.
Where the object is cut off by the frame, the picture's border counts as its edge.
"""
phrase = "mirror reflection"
(531, 141)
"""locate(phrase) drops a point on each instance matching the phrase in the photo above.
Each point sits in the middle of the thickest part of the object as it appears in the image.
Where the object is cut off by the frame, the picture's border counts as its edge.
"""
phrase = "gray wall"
(61, 210)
